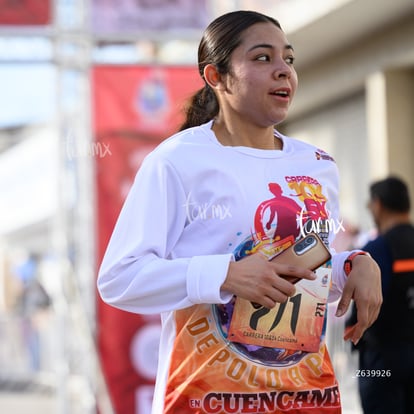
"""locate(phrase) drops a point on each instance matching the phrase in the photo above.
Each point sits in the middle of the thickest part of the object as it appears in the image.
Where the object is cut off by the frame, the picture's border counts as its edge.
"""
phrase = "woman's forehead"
(263, 33)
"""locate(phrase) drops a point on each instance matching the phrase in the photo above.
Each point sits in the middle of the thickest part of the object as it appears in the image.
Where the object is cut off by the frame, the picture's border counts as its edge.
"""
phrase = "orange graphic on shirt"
(210, 374)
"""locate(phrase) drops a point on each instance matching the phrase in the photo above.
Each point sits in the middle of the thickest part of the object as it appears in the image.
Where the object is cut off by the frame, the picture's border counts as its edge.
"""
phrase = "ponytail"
(203, 107)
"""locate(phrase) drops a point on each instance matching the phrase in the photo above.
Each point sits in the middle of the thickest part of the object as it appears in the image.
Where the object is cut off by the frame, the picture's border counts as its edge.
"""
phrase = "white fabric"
(192, 203)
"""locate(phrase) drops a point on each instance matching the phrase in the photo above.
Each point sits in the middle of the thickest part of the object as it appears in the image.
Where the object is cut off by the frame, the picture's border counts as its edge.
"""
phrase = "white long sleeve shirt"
(196, 205)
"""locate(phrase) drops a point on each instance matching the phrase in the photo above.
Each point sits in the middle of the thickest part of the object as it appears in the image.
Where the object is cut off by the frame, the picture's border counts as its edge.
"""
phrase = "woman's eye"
(290, 60)
(263, 58)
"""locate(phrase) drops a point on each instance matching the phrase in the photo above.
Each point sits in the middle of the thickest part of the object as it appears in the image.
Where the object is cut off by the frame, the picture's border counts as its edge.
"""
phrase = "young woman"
(208, 208)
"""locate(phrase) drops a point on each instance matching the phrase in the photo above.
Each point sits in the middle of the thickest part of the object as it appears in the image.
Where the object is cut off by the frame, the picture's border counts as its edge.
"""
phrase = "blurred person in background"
(386, 350)
(31, 305)
(208, 208)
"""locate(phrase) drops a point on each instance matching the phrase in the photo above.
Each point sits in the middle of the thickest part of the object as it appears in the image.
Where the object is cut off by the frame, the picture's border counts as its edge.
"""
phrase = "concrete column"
(376, 111)
(400, 123)
(390, 124)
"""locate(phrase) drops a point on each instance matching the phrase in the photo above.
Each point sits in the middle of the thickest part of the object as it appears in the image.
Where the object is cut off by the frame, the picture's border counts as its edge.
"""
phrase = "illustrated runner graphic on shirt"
(283, 216)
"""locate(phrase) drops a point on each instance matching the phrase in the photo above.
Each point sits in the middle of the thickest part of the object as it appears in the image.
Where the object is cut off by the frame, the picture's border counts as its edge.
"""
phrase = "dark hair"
(393, 194)
(219, 40)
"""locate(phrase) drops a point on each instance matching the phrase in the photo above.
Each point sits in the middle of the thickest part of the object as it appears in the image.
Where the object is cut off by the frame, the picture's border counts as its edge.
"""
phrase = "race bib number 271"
(296, 324)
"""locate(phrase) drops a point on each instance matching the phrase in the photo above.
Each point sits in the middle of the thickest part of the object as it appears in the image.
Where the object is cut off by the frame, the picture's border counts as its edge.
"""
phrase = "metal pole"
(60, 242)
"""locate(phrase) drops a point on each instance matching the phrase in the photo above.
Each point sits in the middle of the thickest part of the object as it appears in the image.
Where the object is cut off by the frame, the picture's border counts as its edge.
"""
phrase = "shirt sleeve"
(339, 276)
(138, 273)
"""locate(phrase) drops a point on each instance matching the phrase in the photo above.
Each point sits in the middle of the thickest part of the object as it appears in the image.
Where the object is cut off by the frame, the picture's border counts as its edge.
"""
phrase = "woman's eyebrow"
(269, 46)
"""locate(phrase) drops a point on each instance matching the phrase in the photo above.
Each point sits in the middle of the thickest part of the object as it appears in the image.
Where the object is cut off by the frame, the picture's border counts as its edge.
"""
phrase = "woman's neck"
(246, 136)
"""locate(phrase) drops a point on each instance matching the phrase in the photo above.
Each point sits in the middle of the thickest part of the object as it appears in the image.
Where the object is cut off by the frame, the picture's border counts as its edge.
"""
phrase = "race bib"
(296, 324)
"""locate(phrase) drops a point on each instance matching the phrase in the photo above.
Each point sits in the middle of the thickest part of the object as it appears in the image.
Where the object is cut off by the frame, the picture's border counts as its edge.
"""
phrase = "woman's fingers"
(258, 280)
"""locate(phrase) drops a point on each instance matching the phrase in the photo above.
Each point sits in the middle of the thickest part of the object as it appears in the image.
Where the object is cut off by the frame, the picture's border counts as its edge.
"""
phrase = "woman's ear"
(213, 77)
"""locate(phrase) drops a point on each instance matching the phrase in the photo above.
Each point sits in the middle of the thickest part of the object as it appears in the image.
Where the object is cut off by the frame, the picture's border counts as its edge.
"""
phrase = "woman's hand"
(364, 287)
(258, 280)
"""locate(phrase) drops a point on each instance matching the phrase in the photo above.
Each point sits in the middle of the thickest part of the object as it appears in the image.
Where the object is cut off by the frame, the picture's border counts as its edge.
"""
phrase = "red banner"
(134, 109)
(25, 12)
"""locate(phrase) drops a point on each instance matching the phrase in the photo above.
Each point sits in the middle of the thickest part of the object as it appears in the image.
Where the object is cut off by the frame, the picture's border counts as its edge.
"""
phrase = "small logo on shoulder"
(322, 155)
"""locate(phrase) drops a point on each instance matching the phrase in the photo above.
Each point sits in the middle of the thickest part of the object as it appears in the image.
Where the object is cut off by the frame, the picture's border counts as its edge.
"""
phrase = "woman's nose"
(282, 70)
